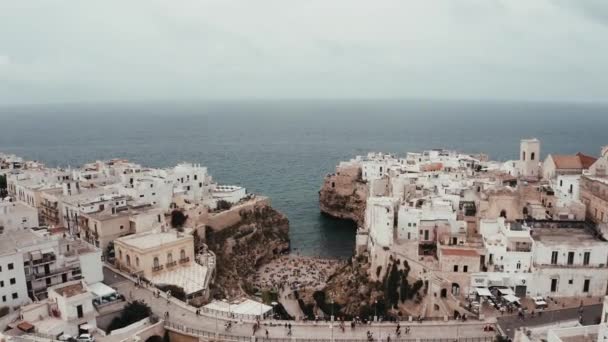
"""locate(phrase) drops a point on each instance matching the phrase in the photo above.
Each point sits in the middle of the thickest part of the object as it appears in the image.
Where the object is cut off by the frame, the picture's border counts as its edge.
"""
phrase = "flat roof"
(70, 290)
(18, 239)
(152, 239)
(574, 236)
(459, 252)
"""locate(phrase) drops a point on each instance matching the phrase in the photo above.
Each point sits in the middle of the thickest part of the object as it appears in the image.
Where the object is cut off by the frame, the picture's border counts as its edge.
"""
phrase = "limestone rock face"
(261, 235)
(343, 194)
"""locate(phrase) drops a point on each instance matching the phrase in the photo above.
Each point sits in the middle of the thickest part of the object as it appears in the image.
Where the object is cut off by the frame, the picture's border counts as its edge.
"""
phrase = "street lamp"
(375, 310)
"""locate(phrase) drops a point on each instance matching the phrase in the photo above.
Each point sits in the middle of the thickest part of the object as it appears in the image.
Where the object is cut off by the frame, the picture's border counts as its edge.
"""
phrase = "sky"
(54, 51)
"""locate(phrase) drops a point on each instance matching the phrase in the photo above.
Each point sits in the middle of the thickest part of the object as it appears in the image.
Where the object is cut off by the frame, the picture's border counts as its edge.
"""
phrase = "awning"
(101, 290)
(48, 251)
(36, 255)
(483, 291)
(510, 298)
(506, 291)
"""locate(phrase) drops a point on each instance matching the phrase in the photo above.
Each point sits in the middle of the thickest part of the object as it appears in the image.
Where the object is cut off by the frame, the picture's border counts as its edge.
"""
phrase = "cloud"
(210, 49)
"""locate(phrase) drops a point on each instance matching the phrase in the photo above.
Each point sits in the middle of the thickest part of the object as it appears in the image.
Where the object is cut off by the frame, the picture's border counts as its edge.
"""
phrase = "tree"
(176, 291)
(404, 288)
(133, 312)
(391, 286)
(178, 219)
(3, 185)
(223, 205)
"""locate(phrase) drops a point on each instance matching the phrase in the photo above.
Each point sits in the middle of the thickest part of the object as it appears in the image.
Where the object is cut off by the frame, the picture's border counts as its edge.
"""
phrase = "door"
(64, 277)
(520, 291)
(553, 285)
(47, 269)
(79, 311)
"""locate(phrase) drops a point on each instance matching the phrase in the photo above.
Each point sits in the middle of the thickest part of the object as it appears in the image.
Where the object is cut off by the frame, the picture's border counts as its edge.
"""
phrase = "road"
(591, 313)
(181, 315)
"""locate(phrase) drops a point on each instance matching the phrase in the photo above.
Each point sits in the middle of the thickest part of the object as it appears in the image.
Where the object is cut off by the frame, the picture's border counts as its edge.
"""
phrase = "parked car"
(85, 338)
(539, 303)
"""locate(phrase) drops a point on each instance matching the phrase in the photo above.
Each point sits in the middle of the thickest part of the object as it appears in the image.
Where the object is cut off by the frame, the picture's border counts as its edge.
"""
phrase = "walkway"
(508, 324)
(180, 314)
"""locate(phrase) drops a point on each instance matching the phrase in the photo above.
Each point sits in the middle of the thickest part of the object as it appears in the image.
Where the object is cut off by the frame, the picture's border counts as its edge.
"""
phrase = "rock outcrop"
(261, 235)
(344, 194)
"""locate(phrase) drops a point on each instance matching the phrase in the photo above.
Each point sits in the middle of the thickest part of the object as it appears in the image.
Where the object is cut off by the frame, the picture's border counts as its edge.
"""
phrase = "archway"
(503, 213)
(444, 293)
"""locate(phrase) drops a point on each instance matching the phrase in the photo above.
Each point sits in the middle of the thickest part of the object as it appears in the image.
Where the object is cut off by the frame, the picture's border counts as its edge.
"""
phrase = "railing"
(58, 271)
(235, 338)
(157, 268)
(46, 259)
(171, 264)
(184, 260)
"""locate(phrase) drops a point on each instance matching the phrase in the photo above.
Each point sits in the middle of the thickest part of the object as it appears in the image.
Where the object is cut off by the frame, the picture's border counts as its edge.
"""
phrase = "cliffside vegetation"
(260, 235)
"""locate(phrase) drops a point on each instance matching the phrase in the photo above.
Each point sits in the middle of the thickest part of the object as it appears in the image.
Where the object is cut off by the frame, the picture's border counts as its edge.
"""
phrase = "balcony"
(171, 264)
(184, 260)
(52, 273)
(157, 268)
(47, 258)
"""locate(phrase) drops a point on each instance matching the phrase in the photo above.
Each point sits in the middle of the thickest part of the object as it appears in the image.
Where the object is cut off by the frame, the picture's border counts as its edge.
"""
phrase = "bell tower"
(529, 156)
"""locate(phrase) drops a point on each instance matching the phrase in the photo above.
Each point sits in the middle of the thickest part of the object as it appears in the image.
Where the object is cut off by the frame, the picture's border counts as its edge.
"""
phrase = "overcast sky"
(132, 50)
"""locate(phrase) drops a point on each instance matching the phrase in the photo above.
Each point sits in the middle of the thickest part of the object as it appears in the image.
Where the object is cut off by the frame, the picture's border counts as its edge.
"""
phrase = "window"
(200, 185)
(128, 260)
(426, 234)
(15, 295)
(11, 266)
(195, 177)
(137, 261)
(1, 283)
(158, 218)
(523, 155)
(519, 265)
(119, 254)
(553, 285)
(554, 255)
(455, 268)
(4, 299)
(156, 263)
(571, 281)
(570, 258)
(182, 254)
(79, 311)
(414, 224)
(465, 268)
(13, 281)
(169, 258)
(586, 258)
(409, 224)
(561, 182)
(122, 227)
(141, 196)
(586, 285)
(408, 236)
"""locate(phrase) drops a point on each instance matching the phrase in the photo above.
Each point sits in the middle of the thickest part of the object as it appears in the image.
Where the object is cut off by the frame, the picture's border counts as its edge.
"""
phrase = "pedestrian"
(266, 333)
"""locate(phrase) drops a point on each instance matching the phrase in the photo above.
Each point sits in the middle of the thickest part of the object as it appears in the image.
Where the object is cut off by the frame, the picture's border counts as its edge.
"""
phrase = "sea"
(284, 148)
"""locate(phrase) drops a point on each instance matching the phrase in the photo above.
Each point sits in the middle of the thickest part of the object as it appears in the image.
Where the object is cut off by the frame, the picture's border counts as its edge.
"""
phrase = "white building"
(17, 216)
(530, 158)
(380, 220)
(31, 261)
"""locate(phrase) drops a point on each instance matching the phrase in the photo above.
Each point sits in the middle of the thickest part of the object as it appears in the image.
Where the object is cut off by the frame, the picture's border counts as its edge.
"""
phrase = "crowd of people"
(295, 272)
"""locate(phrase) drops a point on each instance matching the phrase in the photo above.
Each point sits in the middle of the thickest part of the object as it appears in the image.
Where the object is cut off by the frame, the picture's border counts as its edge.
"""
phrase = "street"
(180, 315)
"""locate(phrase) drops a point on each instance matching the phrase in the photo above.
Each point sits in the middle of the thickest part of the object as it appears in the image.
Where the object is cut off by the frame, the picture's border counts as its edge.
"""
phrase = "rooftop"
(459, 252)
(10, 243)
(152, 239)
(70, 290)
(573, 236)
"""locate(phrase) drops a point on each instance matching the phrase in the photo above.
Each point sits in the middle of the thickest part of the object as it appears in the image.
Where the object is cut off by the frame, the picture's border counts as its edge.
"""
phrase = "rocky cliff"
(261, 235)
(343, 194)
